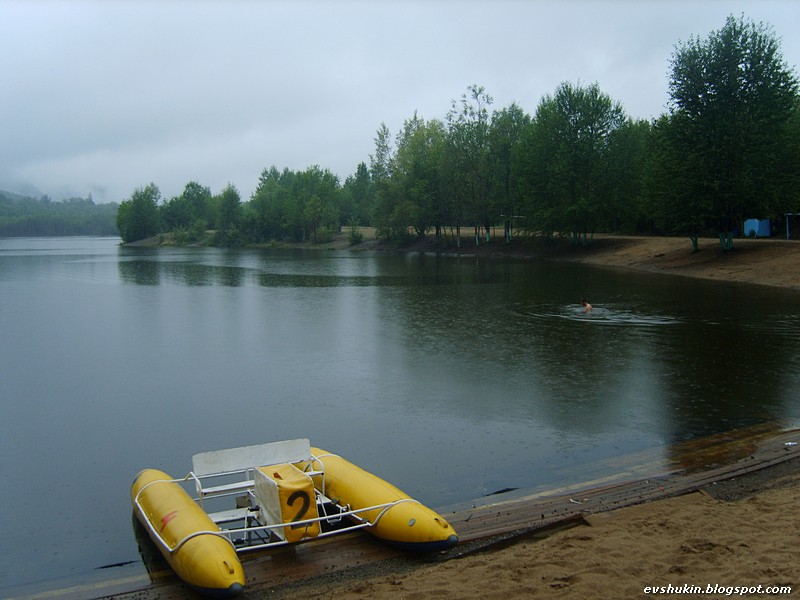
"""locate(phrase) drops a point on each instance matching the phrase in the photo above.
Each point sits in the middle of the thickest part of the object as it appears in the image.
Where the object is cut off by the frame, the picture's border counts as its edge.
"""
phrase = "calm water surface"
(452, 377)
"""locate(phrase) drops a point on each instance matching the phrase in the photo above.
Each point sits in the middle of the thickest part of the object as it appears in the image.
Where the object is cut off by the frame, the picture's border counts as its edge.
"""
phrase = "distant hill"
(14, 196)
(20, 189)
(23, 216)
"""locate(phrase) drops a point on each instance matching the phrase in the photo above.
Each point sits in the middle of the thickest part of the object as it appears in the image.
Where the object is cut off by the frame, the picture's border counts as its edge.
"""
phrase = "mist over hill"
(19, 190)
(22, 215)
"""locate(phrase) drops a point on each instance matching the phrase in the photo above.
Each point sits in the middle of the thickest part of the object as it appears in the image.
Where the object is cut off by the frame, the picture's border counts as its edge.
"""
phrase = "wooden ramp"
(498, 522)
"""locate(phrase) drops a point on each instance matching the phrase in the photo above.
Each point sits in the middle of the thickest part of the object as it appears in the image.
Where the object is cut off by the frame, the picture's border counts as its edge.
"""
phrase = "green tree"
(505, 139)
(629, 149)
(312, 213)
(190, 210)
(676, 208)
(271, 212)
(316, 197)
(229, 208)
(199, 199)
(789, 160)
(468, 132)
(415, 177)
(357, 197)
(137, 217)
(569, 157)
(175, 214)
(380, 172)
(732, 97)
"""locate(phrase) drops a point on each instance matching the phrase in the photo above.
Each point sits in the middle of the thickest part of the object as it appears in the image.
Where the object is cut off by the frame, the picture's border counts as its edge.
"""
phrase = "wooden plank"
(489, 526)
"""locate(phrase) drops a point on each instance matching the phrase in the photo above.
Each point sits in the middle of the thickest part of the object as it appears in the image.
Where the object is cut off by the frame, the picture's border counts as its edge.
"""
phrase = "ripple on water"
(598, 316)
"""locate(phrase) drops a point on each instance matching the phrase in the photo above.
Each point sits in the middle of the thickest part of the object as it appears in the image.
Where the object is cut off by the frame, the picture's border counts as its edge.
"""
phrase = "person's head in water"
(586, 306)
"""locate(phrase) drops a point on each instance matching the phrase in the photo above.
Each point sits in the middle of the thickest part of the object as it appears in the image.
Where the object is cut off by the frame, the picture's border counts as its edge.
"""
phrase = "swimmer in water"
(587, 308)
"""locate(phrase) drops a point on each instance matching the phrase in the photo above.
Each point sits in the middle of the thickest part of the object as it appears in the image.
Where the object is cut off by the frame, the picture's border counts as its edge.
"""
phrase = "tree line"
(727, 149)
(25, 216)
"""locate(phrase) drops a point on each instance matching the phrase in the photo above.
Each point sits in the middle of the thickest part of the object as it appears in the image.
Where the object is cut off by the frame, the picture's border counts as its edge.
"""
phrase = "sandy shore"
(772, 262)
(734, 534)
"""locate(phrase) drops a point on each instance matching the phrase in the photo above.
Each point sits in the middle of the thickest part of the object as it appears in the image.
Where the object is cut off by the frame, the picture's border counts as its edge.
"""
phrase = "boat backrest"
(249, 457)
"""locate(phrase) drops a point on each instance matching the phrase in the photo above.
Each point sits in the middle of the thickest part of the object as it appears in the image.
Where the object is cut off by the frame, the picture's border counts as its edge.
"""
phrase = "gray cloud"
(105, 96)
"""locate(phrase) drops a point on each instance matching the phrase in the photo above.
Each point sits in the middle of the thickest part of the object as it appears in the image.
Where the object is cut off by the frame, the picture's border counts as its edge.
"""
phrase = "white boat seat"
(227, 488)
(244, 461)
(249, 457)
(235, 514)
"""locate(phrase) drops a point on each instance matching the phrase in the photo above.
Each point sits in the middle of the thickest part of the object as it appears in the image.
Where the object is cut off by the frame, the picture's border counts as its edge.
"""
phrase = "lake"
(451, 377)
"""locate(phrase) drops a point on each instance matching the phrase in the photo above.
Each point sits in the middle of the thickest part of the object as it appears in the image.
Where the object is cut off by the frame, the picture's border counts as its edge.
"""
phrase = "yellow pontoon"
(187, 537)
(285, 492)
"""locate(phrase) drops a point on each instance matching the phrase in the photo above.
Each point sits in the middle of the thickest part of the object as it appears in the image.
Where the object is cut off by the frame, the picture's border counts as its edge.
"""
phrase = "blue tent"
(756, 227)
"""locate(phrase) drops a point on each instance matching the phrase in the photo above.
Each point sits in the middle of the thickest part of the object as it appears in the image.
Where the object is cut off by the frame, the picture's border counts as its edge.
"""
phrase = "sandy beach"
(693, 545)
(774, 262)
(736, 538)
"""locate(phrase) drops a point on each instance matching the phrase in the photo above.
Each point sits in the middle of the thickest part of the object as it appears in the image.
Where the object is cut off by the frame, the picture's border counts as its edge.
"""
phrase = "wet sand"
(740, 533)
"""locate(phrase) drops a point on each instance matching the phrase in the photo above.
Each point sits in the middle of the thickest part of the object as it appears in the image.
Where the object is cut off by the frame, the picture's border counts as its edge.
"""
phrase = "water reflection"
(676, 371)
(717, 377)
(140, 272)
(200, 275)
(211, 266)
(146, 268)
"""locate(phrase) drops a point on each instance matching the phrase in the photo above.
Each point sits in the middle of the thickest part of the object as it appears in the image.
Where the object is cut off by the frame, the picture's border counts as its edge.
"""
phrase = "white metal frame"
(256, 535)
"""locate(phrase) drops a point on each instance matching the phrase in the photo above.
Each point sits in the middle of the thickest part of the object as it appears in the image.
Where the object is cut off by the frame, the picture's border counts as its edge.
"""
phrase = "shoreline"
(772, 262)
(765, 261)
(721, 533)
(726, 524)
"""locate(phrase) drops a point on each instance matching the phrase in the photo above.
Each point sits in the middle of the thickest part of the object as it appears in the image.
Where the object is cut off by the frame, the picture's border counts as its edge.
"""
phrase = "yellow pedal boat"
(285, 492)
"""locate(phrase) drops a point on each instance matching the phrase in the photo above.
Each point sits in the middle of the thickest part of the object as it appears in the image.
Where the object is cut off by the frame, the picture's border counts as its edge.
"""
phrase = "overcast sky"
(104, 96)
